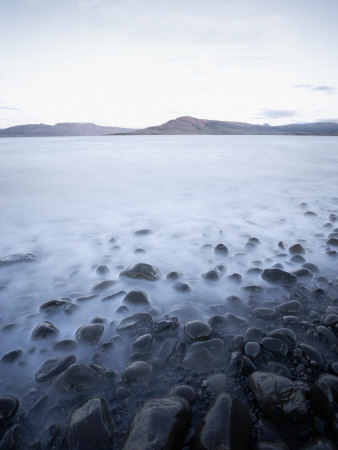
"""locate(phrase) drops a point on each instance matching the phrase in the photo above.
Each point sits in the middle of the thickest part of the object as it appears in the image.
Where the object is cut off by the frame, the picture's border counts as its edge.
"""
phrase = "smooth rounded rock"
(11, 356)
(134, 321)
(142, 343)
(8, 407)
(278, 276)
(197, 330)
(78, 377)
(89, 334)
(185, 391)
(214, 273)
(11, 438)
(136, 297)
(52, 367)
(291, 307)
(138, 373)
(296, 249)
(44, 330)
(203, 355)
(141, 271)
(102, 285)
(252, 349)
(221, 250)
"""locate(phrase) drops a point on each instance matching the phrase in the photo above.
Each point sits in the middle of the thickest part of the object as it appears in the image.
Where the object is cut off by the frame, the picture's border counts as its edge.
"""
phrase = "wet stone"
(102, 269)
(278, 369)
(102, 285)
(333, 241)
(89, 334)
(134, 321)
(278, 397)
(197, 330)
(142, 232)
(238, 342)
(265, 313)
(8, 408)
(185, 391)
(324, 394)
(139, 373)
(142, 343)
(159, 424)
(217, 322)
(203, 355)
(234, 299)
(286, 335)
(221, 250)
(122, 309)
(182, 287)
(44, 330)
(275, 346)
(303, 274)
(98, 319)
(18, 259)
(326, 334)
(174, 275)
(11, 438)
(90, 426)
(165, 325)
(278, 276)
(330, 320)
(217, 383)
(296, 249)
(136, 297)
(141, 271)
(311, 353)
(312, 267)
(54, 305)
(65, 345)
(12, 356)
(214, 273)
(297, 259)
(113, 296)
(235, 277)
(252, 349)
(78, 377)
(226, 425)
(235, 321)
(52, 367)
(166, 350)
(254, 334)
(290, 307)
(289, 320)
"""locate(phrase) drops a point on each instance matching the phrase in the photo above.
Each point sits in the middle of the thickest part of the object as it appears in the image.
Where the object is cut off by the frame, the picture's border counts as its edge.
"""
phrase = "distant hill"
(191, 125)
(61, 129)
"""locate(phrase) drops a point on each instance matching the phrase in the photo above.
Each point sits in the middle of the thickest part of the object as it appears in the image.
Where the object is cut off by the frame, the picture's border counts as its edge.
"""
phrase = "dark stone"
(275, 346)
(8, 408)
(85, 298)
(12, 356)
(44, 330)
(138, 373)
(136, 297)
(90, 426)
(278, 397)
(296, 249)
(278, 276)
(141, 271)
(203, 355)
(51, 306)
(265, 313)
(78, 377)
(312, 267)
(182, 287)
(291, 307)
(102, 269)
(52, 367)
(166, 350)
(197, 330)
(98, 319)
(217, 322)
(143, 232)
(167, 324)
(214, 273)
(333, 241)
(286, 335)
(221, 250)
(226, 425)
(330, 320)
(159, 424)
(235, 277)
(311, 353)
(113, 296)
(18, 259)
(11, 438)
(65, 345)
(235, 321)
(185, 391)
(252, 349)
(174, 275)
(302, 294)
(102, 285)
(324, 394)
(142, 343)
(134, 321)
(253, 334)
(297, 259)
(89, 334)
(303, 274)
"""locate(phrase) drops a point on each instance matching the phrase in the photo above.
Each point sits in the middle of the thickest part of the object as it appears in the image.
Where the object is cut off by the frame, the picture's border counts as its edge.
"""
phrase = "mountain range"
(180, 126)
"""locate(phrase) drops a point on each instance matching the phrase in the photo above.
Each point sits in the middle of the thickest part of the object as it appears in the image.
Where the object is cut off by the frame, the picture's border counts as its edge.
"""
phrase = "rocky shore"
(255, 367)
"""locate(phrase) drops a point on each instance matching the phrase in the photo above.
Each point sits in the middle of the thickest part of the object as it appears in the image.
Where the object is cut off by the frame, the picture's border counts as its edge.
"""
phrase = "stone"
(197, 330)
(221, 250)
(166, 350)
(141, 271)
(203, 355)
(136, 297)
(330, 320)
(265, 313)
(159, 424)
(113, 296)
(303, 274)
(52, 367)
(139, 373)
(54, 305)
(252, 349)
(8, 408)
(311, 353)
(214, 273)
(235, 321)
(103, 269)
(11, 438)
(278, 276)
(296, 249)
(102, 285)
(275, 346)
(65, 345)
(90, 426)
(278, 397)
(254, 334)
(324, 394)
(226, 425)
(89, 334)
(333, 241)
(217, 383)
(286, 335)
(78, 377)
(142, 343)
(312, 267)
(165, 325)
(44, 330)
(18, 259)
(143, 232)
(182, 287)
(185, 391)
(326, 334)
(134, 321)
(12, 356)
(291, 307)
(217, 322)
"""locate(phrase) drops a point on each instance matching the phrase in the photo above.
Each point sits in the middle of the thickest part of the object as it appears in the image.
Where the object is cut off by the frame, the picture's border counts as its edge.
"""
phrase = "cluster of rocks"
(256, 372)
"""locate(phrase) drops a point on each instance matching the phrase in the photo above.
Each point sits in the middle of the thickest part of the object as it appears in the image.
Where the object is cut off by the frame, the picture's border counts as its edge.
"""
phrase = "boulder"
(78, 377)
(197, 330)
(278, 276)
(203, 355)
(136, 297)
(134, 321)
(139, 373)
(52, 367)
(89, 334)
(44, 330)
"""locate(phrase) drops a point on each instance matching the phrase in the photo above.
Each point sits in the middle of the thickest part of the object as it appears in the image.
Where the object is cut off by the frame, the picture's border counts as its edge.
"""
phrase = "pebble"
(9, 406)
(139, 373)
(203, 355)
(78, 377)
(142, 343)
(182, 287)
(214, 273)
(12, 356)
(102, 285)
(217, 322)
(252, 349)
(134, 321)
(52, 367)
(197, 330)
(297, 249)
(291, 307)
(89, 334)
(275, 346)
(221, 250)
(185, 391)
(136, 297)
(141, 271)
(44, 330)
(265, 313)
(278, 276)
(18, 259)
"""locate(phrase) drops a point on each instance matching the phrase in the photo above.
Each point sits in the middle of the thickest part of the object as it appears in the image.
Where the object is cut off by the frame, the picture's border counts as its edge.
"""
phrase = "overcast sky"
(135, 63)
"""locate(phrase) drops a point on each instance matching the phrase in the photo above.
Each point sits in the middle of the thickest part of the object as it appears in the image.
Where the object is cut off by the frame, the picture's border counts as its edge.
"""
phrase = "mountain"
(191, 125)
(61, 129)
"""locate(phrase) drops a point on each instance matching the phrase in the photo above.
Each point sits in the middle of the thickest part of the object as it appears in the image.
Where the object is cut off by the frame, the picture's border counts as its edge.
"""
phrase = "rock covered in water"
(296, 249)
(102, 285)
(78, 377)
(90, 426)
(11, 356)
(52, 367)
(159, 424)
(53, 305)
(89, 334)
(214, 273)
(221, 250)
(136, 297)
(143, 343)
(44, 330)
(141, 271)
(278, 276)
(278, 397)
(18, 258)
(226, 425)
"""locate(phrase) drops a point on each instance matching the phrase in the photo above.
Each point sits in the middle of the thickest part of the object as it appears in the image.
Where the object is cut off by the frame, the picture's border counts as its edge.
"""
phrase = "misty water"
(64, 199)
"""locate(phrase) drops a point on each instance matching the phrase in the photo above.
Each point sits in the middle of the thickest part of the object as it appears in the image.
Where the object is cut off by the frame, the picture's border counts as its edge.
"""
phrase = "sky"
(133, 63)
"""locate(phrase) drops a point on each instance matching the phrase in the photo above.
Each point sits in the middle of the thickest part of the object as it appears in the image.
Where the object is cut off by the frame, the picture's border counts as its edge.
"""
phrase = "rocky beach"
(135, 316)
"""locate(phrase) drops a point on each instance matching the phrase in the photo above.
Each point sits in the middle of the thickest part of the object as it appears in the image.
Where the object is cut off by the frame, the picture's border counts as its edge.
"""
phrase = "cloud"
(276, 113)
(312, 87)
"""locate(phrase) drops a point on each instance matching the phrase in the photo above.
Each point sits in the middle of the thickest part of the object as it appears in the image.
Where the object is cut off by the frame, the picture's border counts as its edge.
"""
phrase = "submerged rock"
(52, 367)
(90, 426)
(141, 271)
(89, 334)
(221, 250)
(159, 424)
(214, 273)
(44, 330)
(136, 297)
(18, 259)
(226, 425)
(78, 377)
(278, 276)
